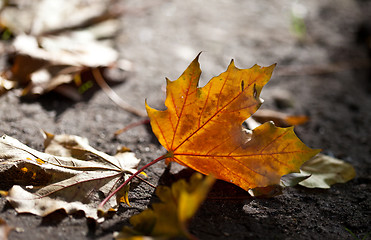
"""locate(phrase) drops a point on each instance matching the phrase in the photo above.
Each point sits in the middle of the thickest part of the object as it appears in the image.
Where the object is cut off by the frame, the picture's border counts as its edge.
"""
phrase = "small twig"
(131, 125)
(113, 95)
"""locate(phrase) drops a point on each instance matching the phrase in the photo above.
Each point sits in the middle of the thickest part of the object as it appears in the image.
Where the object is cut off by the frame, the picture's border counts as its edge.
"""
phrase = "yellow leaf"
(125, 195)
(169, 218)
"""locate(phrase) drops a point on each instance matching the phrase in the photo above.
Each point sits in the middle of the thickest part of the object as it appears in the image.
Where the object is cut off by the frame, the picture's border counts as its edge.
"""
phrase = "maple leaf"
(202, 128)
(70, 175)
(169, 218)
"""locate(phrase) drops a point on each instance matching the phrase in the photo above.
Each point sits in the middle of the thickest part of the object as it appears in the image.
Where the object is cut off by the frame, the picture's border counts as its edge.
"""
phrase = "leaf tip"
(196, 66)
(198, 55)
(231, 65)
(195, 61)
(148, 108)
(269, 69)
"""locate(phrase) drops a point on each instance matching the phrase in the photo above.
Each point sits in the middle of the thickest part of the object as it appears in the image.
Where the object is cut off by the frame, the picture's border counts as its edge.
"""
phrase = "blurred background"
(322, 48)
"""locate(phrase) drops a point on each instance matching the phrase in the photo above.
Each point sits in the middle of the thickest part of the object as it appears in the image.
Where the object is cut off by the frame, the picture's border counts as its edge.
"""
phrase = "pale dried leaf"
(326, 171)
(73, 183)
(41, 16)
(66, 50)
(321, 171)
(45, 63)
(293, 179)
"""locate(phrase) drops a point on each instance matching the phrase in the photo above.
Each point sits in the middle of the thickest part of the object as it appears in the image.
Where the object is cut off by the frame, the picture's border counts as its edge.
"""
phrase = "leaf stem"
(100, 206)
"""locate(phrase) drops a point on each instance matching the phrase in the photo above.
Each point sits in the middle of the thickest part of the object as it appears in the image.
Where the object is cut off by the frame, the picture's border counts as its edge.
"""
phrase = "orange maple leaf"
(202, 128)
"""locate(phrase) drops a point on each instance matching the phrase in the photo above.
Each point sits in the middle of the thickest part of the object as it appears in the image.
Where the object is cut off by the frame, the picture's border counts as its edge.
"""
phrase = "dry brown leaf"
(37, 17)
(325, 171)
(321, 171)
(70, 175)
(48, 62)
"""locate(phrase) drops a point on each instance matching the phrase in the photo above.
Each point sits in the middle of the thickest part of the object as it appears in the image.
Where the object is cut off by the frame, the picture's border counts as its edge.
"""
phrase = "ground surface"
(318, 75)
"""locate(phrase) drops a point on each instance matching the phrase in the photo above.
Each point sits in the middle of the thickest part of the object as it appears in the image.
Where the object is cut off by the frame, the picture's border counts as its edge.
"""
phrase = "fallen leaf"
(5, 229)
(70, 175)
(170, 218)
(70, 66)
(202, 128)
(48, 62)
(325, 171)
(39, 69)
(293, 179)
(63, 56)
(54, 16)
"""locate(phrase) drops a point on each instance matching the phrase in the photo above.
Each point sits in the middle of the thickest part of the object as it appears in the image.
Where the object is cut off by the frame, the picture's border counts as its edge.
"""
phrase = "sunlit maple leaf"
(202, 128)
(70, 175)
(170, 218)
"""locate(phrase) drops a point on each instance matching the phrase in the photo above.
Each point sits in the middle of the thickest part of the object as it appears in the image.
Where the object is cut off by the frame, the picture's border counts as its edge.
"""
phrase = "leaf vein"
(206, 122)
(182, 109)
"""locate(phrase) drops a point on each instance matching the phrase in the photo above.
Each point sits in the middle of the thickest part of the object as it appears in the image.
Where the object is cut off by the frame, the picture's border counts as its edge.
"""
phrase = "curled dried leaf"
(75, 177)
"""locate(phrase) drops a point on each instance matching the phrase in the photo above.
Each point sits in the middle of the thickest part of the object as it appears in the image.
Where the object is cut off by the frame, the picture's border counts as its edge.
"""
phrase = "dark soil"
(324, 74)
